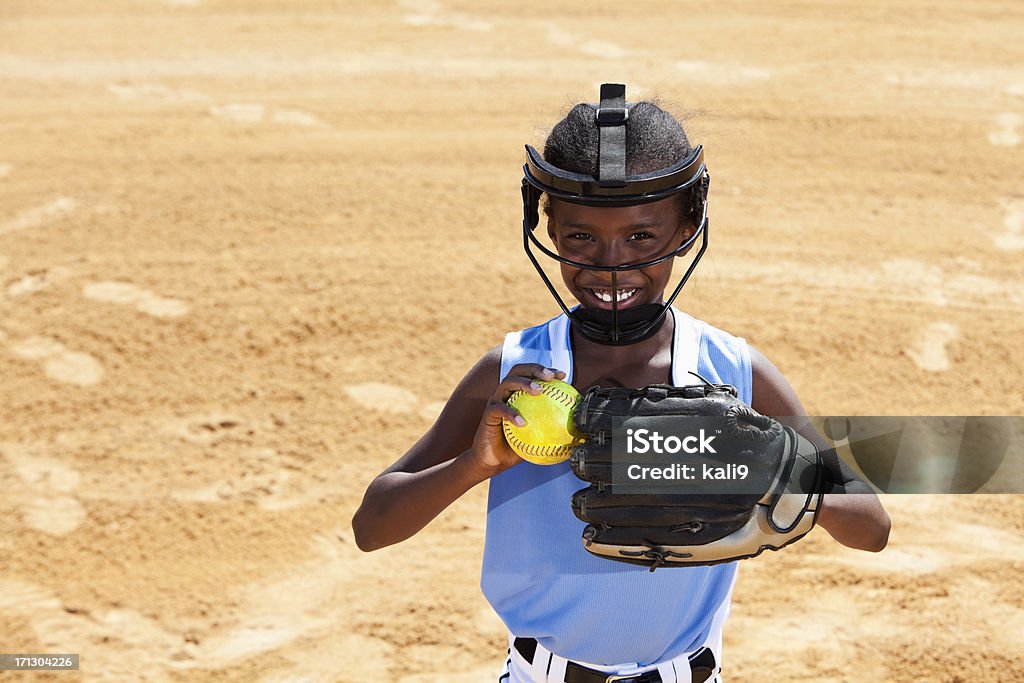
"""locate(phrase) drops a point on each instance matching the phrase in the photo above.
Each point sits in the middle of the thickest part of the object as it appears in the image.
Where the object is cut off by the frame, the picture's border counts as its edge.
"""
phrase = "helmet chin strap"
(630, 326)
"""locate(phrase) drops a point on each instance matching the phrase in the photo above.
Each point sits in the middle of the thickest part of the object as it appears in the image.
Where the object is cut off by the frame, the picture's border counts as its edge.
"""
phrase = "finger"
(512, 384)
(536, 371)
(496, 411)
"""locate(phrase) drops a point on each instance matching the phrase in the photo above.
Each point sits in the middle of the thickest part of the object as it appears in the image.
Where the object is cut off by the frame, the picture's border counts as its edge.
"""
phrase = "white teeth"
(620, 296)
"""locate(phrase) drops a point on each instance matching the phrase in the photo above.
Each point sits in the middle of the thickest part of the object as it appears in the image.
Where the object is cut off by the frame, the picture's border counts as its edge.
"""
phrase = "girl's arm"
(464, 447)
(857, 521)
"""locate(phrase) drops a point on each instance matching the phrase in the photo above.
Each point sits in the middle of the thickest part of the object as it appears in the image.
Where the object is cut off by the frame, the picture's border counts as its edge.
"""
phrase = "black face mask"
(613, 188)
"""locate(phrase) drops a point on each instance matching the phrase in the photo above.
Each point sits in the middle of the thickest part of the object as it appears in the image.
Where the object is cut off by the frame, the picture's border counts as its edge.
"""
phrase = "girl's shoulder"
(714, 337)
(545, 343)
(720, 356)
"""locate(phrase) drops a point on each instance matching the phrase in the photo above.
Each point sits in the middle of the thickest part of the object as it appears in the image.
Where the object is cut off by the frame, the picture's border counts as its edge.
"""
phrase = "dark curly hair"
(654, 140)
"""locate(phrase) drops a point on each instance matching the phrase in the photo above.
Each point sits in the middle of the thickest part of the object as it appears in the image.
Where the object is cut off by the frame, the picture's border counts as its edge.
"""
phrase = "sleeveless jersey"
(537, 575)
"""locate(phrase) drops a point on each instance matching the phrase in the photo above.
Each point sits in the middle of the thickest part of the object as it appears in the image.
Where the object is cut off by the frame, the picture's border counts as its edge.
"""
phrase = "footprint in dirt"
(59, 362)
(267, 486)
(240, 112)
(155, 92)
(930, 351)
(24, 597)
(595, 48)
(1006, 131)
(1012, 238)
(44, 491)
(254, 112)
(272, 480)
(722, 73)
(387, 398)
(210, 428)
(432, 13)
(144, 300)
(294, 117)
(120, 642)
(39, 216)
(483, 674)
(299, 609)
(263, 475)
(36, 281)
(391, 398)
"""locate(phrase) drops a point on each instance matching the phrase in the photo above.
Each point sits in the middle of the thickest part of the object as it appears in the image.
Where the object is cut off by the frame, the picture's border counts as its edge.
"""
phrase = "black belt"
(702, 667)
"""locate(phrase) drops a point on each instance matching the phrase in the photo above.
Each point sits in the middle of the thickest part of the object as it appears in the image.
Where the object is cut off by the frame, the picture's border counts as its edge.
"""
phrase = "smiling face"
(606, 236)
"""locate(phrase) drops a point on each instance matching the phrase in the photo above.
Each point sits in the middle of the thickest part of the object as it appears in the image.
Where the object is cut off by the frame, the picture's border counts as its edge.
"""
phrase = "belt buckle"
(630, 677)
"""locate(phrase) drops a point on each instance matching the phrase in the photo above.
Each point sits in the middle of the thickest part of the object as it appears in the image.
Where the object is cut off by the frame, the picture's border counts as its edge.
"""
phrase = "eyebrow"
(632, 226)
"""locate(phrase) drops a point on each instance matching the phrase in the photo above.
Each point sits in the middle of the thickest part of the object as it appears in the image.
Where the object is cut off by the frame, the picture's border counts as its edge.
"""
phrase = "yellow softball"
(548, 436)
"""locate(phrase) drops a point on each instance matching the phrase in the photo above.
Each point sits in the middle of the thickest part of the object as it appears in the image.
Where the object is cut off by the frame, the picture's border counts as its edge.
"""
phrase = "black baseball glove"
(695, 523)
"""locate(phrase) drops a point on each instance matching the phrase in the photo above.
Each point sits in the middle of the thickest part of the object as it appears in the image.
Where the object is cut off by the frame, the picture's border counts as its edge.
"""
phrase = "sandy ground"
(248, 248)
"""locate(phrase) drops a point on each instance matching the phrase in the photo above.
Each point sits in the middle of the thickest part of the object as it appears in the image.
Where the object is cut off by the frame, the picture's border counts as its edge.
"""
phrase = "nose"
(609, 253)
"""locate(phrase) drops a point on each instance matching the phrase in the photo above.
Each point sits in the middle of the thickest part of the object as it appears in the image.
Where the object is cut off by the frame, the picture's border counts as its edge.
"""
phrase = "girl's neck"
(639, 364)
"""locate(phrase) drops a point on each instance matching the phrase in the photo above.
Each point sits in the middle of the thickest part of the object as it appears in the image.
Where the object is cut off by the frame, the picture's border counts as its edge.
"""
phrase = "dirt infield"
(248, 248)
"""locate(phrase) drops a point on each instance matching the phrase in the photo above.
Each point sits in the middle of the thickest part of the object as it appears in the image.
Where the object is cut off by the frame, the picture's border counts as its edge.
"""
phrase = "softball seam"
(536, 450)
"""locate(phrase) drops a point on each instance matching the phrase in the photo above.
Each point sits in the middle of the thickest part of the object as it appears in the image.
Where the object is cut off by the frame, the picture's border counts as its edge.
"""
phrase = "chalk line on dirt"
(930, 351)
(144, 300)
(38, 216)
(60, 363)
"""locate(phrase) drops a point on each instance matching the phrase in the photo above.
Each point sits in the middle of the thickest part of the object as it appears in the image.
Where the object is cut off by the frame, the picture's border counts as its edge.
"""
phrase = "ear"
(687, 231)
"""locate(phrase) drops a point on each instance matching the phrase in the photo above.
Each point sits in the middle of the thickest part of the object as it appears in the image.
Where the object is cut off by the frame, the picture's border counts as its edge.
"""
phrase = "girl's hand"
(490, 450)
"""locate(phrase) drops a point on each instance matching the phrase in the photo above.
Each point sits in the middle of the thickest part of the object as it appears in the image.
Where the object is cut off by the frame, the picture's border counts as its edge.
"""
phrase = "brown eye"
(637, 236)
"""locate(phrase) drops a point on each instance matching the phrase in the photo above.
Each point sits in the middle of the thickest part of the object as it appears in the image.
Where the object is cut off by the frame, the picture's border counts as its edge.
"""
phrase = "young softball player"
(624, 194)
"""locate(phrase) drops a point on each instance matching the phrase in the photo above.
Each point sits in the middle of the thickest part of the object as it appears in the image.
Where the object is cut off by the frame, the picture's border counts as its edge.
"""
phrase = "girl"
(624, 195)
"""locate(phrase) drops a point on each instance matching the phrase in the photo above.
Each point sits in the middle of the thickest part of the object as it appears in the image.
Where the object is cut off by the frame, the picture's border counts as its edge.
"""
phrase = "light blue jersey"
(537, 575)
